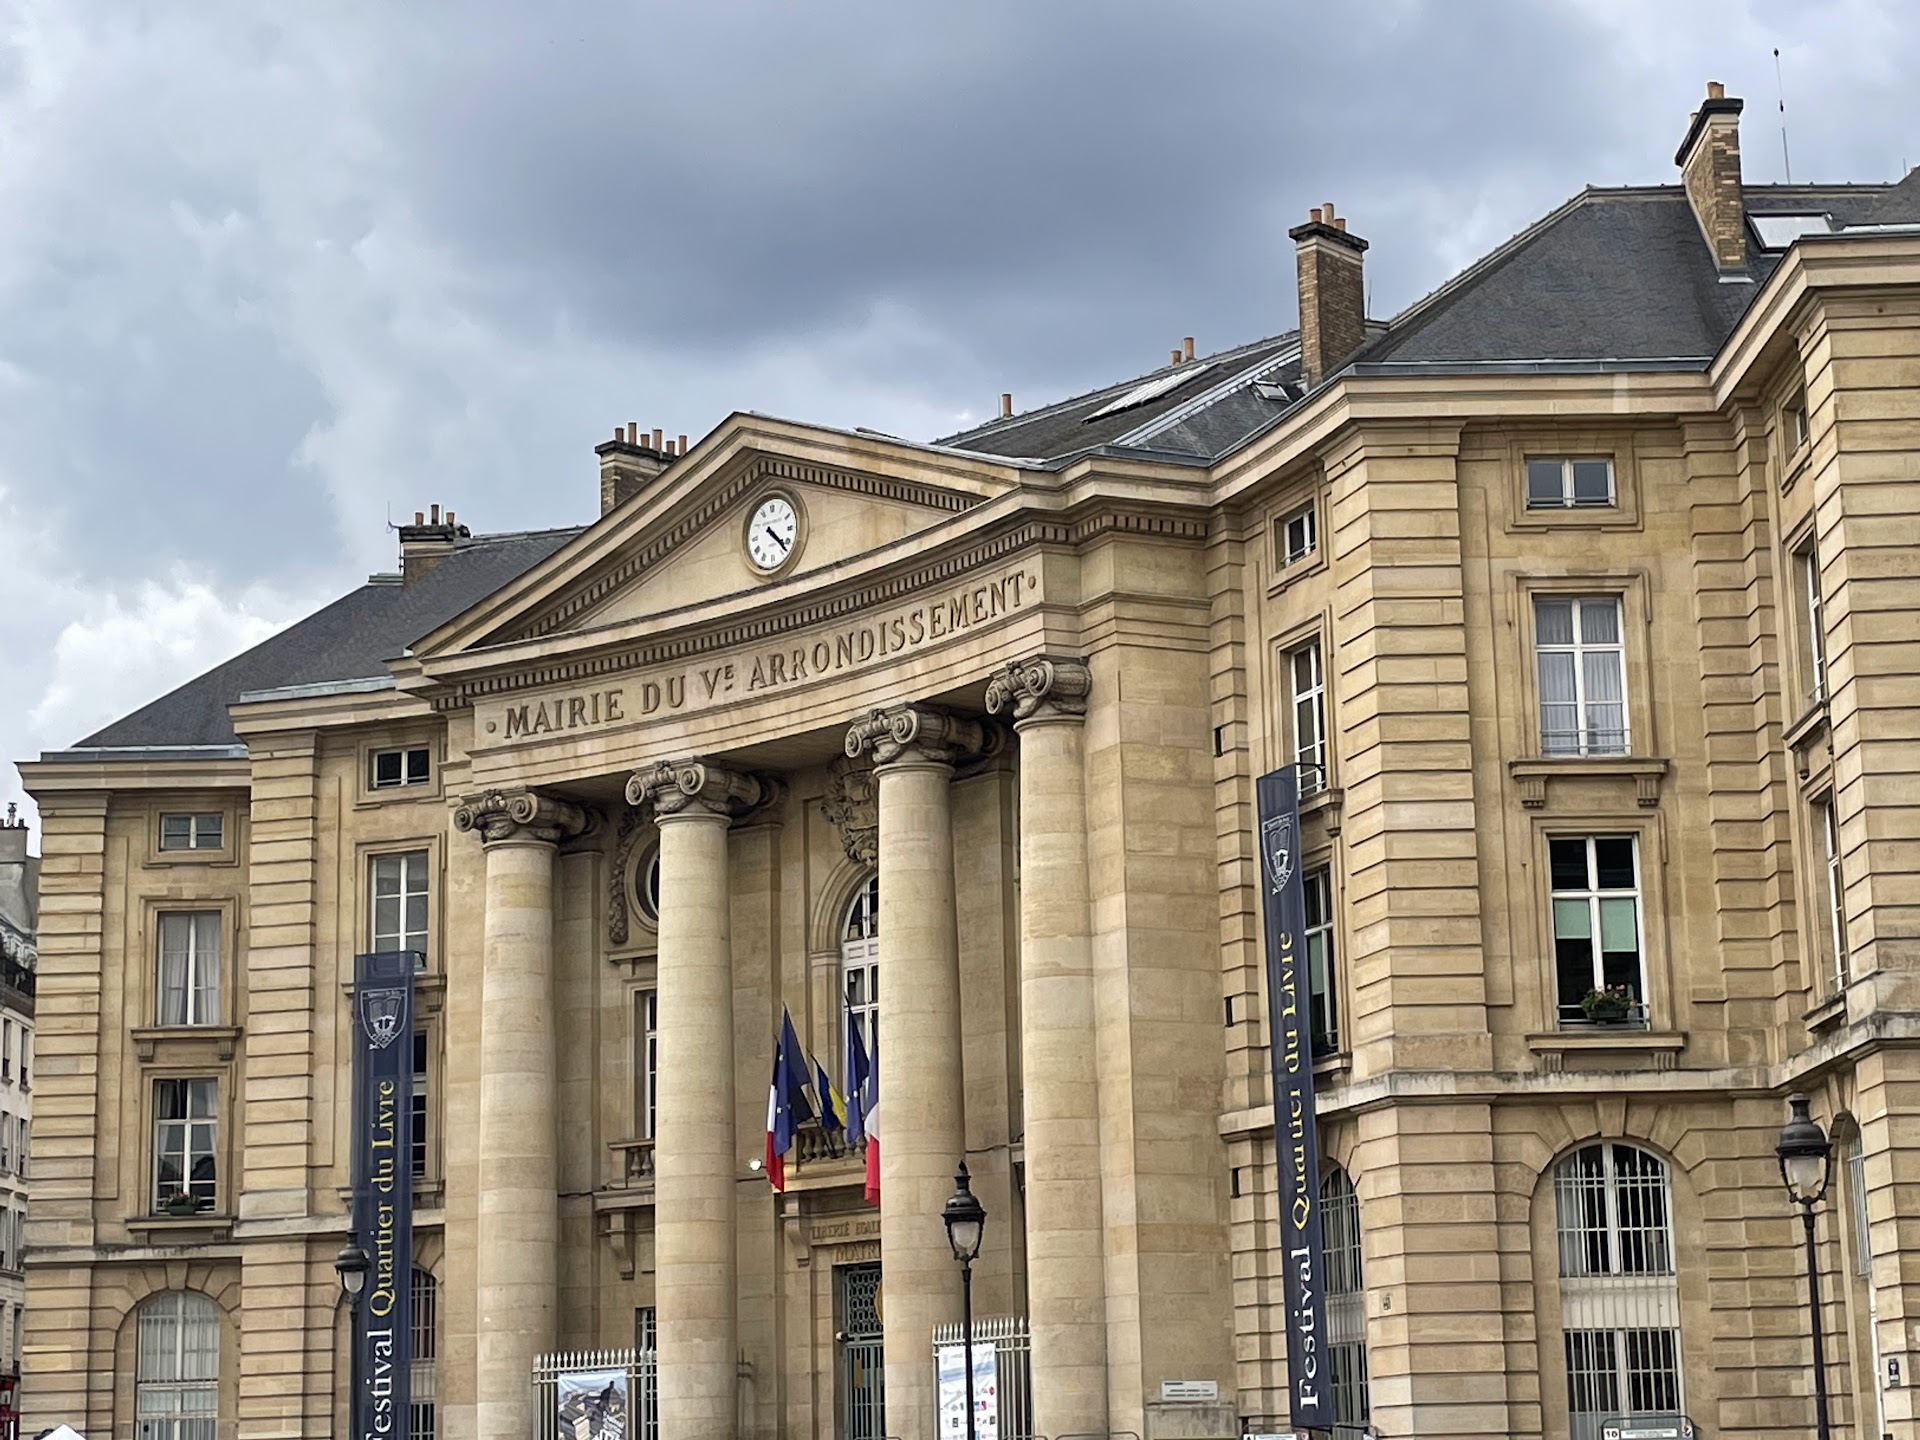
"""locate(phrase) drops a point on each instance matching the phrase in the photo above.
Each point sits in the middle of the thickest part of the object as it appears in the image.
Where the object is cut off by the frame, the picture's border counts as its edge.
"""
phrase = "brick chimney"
(19, 873)
(1333, 293)
(426, 542)
(1709, 161)
(630, 461)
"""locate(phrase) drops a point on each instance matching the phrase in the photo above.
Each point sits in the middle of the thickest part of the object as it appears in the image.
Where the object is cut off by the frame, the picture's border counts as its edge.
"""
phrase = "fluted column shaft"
(922, 1091)
(516, 1263)
(1066, 1272)
(696, 1159)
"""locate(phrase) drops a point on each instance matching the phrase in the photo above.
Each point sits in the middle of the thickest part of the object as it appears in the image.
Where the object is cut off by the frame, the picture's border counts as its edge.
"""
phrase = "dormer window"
(1558, 482)
(1777, 232)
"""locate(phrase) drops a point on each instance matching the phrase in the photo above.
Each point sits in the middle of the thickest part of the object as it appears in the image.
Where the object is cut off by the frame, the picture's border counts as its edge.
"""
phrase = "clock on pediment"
(773, 533)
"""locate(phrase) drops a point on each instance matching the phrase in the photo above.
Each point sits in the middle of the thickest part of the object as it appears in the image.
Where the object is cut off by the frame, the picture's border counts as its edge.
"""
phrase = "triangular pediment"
(682, 543)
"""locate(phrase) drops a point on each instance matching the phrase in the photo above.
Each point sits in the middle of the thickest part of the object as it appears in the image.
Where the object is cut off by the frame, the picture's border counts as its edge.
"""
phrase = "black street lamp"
(352, 1266)
(1806, 1167)
(966, 1222)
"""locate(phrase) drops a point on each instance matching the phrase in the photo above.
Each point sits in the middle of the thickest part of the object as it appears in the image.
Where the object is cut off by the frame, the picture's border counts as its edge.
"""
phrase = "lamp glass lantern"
(352, 1266)
(1805, 1154)
(965, 1218)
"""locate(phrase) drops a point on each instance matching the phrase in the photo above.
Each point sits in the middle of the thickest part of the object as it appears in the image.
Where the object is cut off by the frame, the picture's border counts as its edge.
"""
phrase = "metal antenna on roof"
(1781, 87)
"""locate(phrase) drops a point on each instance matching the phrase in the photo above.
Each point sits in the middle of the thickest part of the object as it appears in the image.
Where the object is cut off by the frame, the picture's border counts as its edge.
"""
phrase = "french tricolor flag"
(863, 1102)
(787, 1105)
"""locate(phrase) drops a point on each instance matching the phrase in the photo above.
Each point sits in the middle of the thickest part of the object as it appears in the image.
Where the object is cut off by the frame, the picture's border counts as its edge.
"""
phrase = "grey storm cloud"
(268, 274)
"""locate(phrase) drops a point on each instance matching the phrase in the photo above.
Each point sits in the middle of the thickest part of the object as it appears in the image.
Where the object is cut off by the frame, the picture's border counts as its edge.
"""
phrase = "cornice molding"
(696, 521)
(1034, 532)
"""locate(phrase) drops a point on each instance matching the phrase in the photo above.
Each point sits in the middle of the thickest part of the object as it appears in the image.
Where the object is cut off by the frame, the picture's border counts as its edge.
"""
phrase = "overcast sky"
(270, 273)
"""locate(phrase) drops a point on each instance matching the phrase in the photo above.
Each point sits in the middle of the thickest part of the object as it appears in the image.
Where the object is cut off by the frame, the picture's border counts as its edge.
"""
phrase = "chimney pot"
(1006, 403)
(1340, 224)
(1314, 215)
(1326, 212)
(670, 447)
(1715, 90)
(436, 514)
(657, 439)
(1186, 347)
(419, 517)
(1173, 356)
(683, 444)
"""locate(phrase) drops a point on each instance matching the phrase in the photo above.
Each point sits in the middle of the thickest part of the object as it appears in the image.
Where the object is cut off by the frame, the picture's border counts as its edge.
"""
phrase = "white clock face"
(772, 533)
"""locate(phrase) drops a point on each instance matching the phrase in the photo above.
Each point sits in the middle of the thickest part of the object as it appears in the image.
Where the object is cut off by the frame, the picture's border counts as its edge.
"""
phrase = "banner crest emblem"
(380, 1015)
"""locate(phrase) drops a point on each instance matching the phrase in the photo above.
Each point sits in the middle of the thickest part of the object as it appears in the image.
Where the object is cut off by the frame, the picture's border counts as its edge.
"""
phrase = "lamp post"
(966, 1221)
(1806, 1167)
(352, 1266)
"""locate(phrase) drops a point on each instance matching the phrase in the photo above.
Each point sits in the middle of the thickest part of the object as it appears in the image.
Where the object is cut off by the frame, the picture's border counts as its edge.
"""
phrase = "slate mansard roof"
(1620, 276)
(351, 639)
(1614, 277)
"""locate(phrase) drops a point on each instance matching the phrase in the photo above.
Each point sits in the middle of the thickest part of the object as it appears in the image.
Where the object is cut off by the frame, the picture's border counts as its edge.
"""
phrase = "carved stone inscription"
(725, 679)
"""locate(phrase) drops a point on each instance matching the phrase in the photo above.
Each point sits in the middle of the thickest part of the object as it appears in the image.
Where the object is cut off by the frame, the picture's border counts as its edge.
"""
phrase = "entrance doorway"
(863, 1371)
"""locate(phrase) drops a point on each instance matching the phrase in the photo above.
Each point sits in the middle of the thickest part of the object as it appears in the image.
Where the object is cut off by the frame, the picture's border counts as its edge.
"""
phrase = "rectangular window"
(6, 1141)
(649, 1067)
(26, 1057)
(1299, 536)
(1596, 930)
(6, 1049)
(1309, 717)
(1317, 886)
(400, 903)
(421, 1091)
(1810, 621)
(26, 1143)
(1835, 892)
(391, 769)
(1564, 483)
(1793, 416)
(190, 968)
(185, 1132)
(426, 1349)
(192, 832)
(1583, 675)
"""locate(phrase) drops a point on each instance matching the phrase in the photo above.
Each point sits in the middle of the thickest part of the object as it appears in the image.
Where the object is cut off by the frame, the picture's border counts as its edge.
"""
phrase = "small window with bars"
(1568, 483)
(1346, 1298)
(395, 769)
(426, 1349)
(193, 832)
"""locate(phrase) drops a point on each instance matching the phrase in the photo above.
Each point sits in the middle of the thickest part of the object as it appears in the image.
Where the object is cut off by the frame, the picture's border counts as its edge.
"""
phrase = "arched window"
(176, 1393)
(860, 966)
(426, 1338)
(1619, 1291)
(1346, 1296)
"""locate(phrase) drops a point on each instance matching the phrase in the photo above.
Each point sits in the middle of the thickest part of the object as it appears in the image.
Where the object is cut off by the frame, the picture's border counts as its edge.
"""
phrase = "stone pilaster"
(516, 1263)
(696, 1265)
(1066, 1282)
(922, 1128)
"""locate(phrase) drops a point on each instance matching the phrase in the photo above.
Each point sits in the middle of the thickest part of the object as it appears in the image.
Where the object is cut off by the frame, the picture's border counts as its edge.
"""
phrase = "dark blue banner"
(1296, 1144)
(383, 1188)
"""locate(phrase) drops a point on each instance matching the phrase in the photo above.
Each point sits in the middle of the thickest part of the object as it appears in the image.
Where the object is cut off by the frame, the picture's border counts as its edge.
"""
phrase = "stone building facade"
(1584, 594)
(19, 910)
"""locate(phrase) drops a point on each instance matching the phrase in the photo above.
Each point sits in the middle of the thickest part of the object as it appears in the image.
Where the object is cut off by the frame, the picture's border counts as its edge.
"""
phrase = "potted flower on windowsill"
(179, 1204)
(1609, 1005)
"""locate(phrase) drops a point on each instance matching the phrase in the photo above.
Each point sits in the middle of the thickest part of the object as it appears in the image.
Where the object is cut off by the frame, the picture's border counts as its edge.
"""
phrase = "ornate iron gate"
(863, 1370)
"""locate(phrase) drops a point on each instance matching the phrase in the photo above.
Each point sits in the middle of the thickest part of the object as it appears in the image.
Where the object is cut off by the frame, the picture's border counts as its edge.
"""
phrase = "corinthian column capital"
(925, 733)
(520, 815)
(678, 787)
(1045, 687)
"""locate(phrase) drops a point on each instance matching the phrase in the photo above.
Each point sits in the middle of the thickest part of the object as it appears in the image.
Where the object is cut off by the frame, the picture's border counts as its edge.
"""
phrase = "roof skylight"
(1153, 389)
(1777, 232)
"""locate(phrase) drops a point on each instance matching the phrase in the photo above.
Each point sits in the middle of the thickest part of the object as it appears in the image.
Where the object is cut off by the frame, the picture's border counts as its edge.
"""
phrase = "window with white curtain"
(176, 1391)
(1619, 1286)
(1309, 716)
(1346, 1297)
(400, 903)
(190, 967)
(1834, 892)
(1583, 677)
(426, 1349)
(1596, 923)
(860, 967)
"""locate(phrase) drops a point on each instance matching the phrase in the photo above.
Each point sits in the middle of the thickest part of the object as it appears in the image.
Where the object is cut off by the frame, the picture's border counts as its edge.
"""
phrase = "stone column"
(518, 1238)
(922, 1107)
(1066, 1274)
(697, 1160)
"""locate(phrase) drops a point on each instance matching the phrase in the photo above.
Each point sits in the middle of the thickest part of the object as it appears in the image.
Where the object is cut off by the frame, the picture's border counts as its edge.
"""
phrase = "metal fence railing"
(1013, 1365)
(597, 1395)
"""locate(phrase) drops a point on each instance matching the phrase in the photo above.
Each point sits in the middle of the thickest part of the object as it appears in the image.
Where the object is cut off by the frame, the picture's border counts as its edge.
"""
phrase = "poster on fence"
(591, 1404)
(953, 1393)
